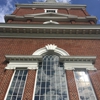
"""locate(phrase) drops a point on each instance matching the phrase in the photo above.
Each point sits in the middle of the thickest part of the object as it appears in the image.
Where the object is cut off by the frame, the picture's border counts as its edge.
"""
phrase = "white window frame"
(90, 84)
(11, 83)
(56, 10)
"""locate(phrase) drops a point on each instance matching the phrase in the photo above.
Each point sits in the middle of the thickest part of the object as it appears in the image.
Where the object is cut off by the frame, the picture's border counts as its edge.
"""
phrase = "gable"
(50, 15)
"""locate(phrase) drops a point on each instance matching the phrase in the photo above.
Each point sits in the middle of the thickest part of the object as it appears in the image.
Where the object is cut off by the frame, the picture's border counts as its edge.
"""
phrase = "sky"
(8, 6)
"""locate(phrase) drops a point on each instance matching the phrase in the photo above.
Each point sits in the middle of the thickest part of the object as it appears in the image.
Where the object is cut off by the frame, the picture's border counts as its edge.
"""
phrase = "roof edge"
(49, 5)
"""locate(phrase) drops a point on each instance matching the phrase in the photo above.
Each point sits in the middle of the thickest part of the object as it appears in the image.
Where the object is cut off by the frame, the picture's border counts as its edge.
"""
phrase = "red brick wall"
(5, 80)
(72, 90)
(23, 11)
(77, 12)
(95, 80)
(63, 11)
(28, 92)
(38, 11)
(28, 46)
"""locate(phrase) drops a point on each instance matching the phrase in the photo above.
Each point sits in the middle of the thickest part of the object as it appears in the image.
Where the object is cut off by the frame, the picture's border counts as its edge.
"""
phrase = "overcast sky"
(8, 6)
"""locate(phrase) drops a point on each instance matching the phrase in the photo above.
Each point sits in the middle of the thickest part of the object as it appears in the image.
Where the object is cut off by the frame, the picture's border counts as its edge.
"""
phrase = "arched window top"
(51, 49)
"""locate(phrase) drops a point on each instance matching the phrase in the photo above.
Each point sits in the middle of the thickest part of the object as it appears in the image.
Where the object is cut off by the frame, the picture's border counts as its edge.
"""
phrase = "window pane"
(51, 80)
(84, 86)
(17, 85)
(8, 98)
(36, 98)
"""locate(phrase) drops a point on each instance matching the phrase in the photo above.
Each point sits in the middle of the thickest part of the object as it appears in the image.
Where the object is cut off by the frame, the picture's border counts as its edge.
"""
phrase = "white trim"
(48, 5)
(72, 66)
(45, 10)
(22, 61)
(51, 47)
(50, 22)
(49, 13)
(72, 62)
(28, 65)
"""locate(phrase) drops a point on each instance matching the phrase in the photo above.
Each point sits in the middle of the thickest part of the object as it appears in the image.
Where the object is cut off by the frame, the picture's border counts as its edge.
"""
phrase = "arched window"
(51, 80)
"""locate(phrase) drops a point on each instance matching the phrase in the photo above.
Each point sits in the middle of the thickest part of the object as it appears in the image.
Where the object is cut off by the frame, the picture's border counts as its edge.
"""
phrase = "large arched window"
(51, 80)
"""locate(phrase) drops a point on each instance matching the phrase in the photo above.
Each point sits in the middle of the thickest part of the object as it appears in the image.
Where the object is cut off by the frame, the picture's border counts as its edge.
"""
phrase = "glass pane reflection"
(51, 80)
(84, 86)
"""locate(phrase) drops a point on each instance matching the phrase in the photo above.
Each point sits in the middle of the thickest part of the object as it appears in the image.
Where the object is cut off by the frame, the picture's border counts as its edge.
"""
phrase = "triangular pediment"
(50, 15)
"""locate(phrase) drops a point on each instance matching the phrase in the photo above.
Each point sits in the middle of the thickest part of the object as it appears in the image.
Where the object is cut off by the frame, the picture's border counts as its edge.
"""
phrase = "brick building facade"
(61, 31)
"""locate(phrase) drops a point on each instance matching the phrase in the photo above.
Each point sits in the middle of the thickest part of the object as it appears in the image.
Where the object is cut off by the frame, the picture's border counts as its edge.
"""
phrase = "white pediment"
(50, 15)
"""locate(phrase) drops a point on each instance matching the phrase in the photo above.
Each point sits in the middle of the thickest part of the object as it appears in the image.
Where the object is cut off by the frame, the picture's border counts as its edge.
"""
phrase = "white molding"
(34, 26)
(48, 5)
(90, 59)
(50, 36)
(51, 47)
(57, 14)
(14, 65)
(50, 22)
(23, 58)
(72, 62)
(22, 61)
(72, 66)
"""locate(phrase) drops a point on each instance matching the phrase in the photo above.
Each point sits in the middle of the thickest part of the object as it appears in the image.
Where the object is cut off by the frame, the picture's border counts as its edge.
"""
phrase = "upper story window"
(51, 80)
(84, 86)
(50, 10)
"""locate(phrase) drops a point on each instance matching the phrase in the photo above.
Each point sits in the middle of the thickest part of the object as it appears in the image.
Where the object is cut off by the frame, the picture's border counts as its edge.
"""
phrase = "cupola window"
(50, 10)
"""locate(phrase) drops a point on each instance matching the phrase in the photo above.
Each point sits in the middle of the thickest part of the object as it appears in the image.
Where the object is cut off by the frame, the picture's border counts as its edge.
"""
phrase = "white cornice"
(31, 61)
(50, 31)
(50, 5)
(23, 58)
(73, 66)
(55, 16)
(23, 61)
(78, 59)
(73, 62)
(41, 26)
